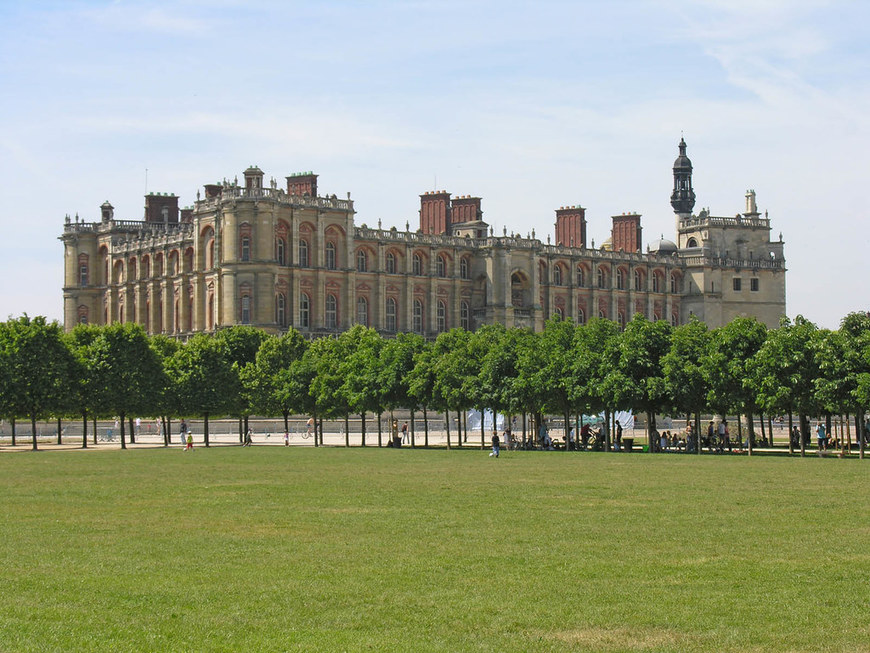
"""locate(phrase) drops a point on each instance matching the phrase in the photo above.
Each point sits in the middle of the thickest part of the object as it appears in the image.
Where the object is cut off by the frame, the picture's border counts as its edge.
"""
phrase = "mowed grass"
(302, 549)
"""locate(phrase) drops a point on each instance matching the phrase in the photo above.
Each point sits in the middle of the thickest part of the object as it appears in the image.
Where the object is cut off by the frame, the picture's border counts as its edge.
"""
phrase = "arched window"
(362, 311)
(674, 283)
(246, 309)
(391, 263)
(280, 251)
(210, 321)
(581, 316)
(655, 282)
(176, 318)
(441, 317)
(464, 316)
(362, 261)
(637, 280)
(83, 314)
(620, 318)
(691, 243)
(620, 279)
(303, 253)
(331, 312)
(131, 270)
(602, 315)
(304, 311)
(281, 309)
(418, 264)
(418, 316)
(146, 267)
(440, 266)
(391, 314)
(464, 272)
(675, 321)
(330, 256)
(602, 278)
(559, 313)
(246, 248)
(580, 277)
(557, 275)
(209, 261)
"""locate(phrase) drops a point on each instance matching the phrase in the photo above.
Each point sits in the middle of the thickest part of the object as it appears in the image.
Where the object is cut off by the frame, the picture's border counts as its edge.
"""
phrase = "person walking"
(182, 429)
(821, 437)
(495, 445)
(405, 437)
(189, 446)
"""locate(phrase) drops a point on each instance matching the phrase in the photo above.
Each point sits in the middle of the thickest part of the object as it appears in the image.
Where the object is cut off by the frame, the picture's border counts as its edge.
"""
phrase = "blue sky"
(530, 105)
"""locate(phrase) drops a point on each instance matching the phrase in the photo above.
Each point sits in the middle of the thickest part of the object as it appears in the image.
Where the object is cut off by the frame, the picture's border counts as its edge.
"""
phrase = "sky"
(528, 105)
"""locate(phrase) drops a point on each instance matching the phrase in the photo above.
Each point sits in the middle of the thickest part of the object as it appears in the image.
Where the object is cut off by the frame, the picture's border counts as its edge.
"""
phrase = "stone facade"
(275, 258)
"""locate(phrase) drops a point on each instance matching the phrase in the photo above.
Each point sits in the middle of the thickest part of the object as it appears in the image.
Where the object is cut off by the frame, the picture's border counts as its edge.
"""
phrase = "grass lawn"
(303, 549)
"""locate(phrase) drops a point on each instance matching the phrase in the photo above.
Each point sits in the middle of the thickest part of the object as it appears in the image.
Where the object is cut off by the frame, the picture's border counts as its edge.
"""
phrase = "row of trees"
(653, 368)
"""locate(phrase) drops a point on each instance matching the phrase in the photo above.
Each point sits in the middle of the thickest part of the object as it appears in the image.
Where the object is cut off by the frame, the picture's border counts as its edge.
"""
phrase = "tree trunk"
(33, 429)
(763, 434)
(805, 425)
(363, 428)
(607, 429)
(132, 433)
(167, 430)
(459, 429)
(84, 430)
(447, 425)
(413, 432)
(241, 431)
(698, 432)
(750, 434)
(380, 428)
(790, 431)
(650, 429)
(95, 430)
(346, 429)
(59, 438)
(770, 430)
(859, 415)
(123, 435)
(827, 428)
(286, 413)
(482, 429)
(524, 429)
(205, 428)
(12, 424)
(425, 428)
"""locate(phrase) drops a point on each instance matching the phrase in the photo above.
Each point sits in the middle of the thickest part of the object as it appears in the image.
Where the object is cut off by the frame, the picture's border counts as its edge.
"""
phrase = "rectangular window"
(753, 284)
(738, 285)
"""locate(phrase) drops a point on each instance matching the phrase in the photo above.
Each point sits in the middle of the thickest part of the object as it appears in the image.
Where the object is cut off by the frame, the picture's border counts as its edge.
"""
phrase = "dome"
(663, 246)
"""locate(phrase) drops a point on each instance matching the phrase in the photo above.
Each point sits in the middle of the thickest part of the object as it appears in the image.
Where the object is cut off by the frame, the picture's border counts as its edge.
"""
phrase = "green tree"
(168, 404)
(360, 369)
(128, 375)
(548, 372)
(783, 371)
(274, 386)
(684, 372)
(243, 342)
(642, 386)
(38, 365)
(729, 364)
(206, 379)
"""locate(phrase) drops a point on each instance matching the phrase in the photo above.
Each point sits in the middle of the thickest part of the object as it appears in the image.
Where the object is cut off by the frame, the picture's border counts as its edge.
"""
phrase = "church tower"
(683, 197)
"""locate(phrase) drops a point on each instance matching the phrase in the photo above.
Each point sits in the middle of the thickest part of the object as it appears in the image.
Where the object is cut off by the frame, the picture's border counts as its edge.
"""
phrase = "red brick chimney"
(625, 235)
(302, 183)
(571, 226)
(434, 212)
(161, 208)
(465, 209)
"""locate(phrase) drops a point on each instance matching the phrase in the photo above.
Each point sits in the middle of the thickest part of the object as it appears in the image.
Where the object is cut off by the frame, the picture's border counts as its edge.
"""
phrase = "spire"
(683, 196)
